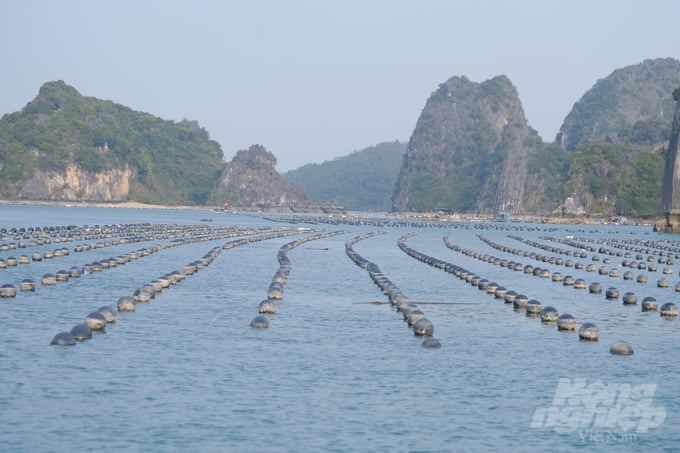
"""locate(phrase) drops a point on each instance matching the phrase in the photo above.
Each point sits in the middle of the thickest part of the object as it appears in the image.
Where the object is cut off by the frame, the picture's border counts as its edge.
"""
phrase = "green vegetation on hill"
(361, 181)
(175, 162)
(616, 134)
(617, 178)
(549, 172)
(631, 105)
(251, 182)
(606, 178)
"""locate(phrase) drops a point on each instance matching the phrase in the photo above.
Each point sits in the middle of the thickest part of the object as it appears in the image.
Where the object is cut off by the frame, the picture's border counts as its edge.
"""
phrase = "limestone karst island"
(472, 151)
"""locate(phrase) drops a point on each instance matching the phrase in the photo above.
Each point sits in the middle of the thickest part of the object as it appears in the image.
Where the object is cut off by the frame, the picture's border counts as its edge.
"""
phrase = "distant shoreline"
(577, 220)
(95, 204)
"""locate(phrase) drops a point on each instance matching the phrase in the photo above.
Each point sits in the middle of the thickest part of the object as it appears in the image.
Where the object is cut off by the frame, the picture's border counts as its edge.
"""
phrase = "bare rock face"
(468, 151)
(75, 184)
(671, 176)
(250, 181)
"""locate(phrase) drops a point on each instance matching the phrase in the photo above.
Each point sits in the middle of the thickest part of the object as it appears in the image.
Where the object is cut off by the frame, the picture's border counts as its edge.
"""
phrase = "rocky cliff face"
(250, 181)
(75, 184)
(468, 150)
(671, 175)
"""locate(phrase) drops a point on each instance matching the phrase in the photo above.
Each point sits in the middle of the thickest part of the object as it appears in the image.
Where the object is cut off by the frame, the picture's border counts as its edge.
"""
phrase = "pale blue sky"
(314, 80)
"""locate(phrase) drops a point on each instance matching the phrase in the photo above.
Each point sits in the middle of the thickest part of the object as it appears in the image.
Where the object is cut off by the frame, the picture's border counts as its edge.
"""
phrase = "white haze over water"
(312, 81)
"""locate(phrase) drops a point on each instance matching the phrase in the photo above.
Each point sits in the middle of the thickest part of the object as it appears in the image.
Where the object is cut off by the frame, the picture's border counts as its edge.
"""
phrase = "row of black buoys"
(603, 270)
(275, 291)
(12, 261)
(403, 222)
(96, 321)
(143, 294)
(259, 321)
(422, 326)
(533, 308)
(356, 220)
(151, 289)
(594, 288)
(114, 235)
(414, 317)
(534, 255)
(649, 303)
(656, 251)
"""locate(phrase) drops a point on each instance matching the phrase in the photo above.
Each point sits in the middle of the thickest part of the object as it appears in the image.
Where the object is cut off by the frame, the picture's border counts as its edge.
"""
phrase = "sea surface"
(338, 369)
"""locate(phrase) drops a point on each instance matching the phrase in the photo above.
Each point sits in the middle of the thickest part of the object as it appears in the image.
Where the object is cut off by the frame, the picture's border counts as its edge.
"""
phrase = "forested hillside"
(616, 136)
(360, 181)
(161, 161)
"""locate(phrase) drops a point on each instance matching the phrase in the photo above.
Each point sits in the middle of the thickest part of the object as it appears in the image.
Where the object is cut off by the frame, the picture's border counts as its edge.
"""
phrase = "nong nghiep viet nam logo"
(579, 405)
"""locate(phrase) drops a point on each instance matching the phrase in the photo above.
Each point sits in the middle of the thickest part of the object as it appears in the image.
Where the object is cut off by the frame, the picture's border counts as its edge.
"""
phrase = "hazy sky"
(315, 80)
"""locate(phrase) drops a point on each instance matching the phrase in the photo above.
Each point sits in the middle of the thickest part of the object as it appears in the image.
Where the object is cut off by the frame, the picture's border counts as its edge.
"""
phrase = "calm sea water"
(331, 373)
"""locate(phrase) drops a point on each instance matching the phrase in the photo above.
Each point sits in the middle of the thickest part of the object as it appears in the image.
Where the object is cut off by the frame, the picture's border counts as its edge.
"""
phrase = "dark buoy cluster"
(96, 321)
(640, 256)
(93, 322)
(637, 255)
(112, 236)
(533, 308)
(611, 293)
(275, 291)
(414, 317)
(640, 264)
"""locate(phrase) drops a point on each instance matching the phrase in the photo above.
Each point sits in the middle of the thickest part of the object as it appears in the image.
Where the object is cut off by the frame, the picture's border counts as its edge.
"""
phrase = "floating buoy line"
(97, 320)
